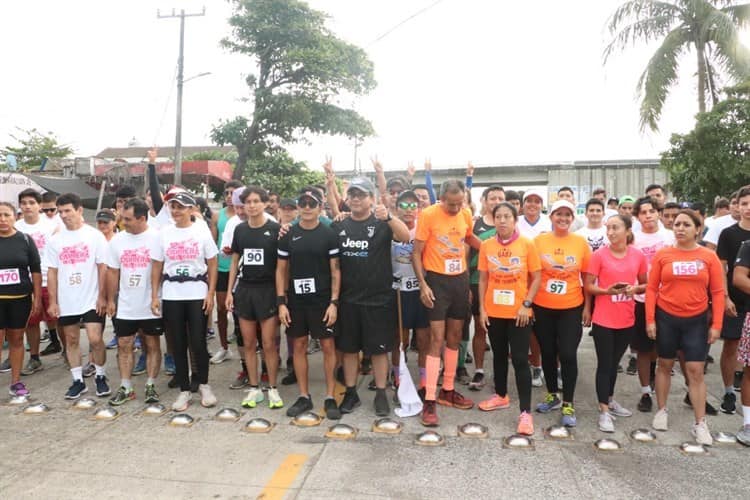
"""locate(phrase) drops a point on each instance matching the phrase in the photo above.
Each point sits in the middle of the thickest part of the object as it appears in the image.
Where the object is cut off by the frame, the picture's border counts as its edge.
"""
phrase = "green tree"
(714, 158)
(708, 27)
(278, 172)
(300, 74)
(34, 146)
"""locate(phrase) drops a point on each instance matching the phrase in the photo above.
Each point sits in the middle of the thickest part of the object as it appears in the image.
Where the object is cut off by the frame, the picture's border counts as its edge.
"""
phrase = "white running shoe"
(274, 399)
(701, 433)
(221, 355)
(207, 396)
(660, 420)
(253, 397)
(605, 422)
(619, 411)
(183, 401)
(536, 377)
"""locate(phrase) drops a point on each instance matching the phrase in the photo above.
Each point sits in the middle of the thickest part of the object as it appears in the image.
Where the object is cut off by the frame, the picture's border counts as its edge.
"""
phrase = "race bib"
(503, 297)
(689, 268)
(304, 286)
(136, 281)
(182, 271)
(253, 257)
(409, 284)
(75, 279)
(10, 277)
(557, 287)
(621, 297)
(454, 266)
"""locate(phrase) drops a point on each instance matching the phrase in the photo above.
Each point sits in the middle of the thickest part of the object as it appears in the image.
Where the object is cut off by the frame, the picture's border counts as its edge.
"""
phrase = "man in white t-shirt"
(533, 222)
(595, 231)
(711, 238)
(77, 291)
(129, 298)
(566, 193)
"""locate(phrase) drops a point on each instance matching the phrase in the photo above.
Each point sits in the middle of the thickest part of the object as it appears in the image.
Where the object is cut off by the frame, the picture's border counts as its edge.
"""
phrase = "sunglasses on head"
(307, 202)
(407, 206)
(49, 210)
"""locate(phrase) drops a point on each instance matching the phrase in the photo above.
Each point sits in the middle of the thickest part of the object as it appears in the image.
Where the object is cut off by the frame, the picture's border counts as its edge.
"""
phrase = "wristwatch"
(335, 302)
(526, 304)
(389, 218)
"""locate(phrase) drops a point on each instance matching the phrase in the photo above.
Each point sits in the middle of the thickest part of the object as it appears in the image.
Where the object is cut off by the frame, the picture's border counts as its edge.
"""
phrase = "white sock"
(150, 381)
(77, 373)
(729, 389)
(100, 371)
(479, 370)
(746, 415)
(646, 389)
(126, 384)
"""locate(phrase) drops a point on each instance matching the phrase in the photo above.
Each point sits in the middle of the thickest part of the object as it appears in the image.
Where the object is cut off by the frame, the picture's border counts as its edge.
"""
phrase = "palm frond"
(740, 14)
(722, 34)
(646, 30)
(639, 9)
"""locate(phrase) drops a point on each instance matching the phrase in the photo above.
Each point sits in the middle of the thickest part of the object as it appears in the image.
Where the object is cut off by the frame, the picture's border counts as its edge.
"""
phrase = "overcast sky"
(492, 81)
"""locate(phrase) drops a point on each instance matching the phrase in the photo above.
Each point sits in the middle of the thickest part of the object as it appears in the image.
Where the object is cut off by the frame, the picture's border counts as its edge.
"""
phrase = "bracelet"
(281, 300)
(335, 302)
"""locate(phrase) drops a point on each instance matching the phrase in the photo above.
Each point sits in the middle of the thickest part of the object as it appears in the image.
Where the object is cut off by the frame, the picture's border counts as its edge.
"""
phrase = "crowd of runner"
(360, 270)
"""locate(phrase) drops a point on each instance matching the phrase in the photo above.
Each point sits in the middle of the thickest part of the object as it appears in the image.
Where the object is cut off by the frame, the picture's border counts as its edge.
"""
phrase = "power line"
(394, 28)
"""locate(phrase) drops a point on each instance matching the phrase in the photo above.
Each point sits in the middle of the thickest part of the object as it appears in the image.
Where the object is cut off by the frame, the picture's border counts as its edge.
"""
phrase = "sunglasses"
(49, 210)
(307, 203)
(407, 206)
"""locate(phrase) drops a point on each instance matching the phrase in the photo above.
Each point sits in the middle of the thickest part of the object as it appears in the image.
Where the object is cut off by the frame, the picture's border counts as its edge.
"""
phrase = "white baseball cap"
(534, 192)
(562, 204)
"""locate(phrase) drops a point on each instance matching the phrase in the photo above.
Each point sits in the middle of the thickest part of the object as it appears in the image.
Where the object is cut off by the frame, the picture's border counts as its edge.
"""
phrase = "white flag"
(407, 394)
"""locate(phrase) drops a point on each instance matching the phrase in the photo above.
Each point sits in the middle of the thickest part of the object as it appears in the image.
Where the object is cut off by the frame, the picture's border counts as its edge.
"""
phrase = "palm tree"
(710, 27)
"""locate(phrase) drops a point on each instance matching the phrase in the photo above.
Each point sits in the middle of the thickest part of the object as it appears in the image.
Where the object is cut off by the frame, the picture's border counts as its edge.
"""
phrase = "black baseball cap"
(184, 198)
(105, 215)
(287, 202)
(310, 193)
(408, 194)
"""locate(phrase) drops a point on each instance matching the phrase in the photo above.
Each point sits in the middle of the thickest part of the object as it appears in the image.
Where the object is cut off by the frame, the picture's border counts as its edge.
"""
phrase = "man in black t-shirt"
(254, 253)
(368, 310)
(727, 247)
(741, 280)
(307, 288)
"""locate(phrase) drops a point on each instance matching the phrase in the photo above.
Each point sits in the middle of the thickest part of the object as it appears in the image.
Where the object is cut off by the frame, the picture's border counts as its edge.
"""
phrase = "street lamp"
(178, 132)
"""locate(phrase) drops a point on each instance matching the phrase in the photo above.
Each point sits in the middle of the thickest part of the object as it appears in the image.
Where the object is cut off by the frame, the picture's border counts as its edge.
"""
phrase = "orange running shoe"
(454, 399)
(429, 414)
(525, 424)
(495, 403)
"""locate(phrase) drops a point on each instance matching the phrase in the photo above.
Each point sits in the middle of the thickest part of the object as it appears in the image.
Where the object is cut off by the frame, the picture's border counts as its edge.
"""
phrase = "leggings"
(187, 322)
(501, 333)
(559, 333)
(610, 345)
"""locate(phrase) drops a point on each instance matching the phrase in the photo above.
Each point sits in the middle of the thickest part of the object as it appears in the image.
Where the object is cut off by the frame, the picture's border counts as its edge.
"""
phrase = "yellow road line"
(282, 479)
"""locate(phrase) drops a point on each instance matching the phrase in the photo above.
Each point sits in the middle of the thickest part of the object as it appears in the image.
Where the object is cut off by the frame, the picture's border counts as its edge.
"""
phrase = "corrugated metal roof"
(61, 185)
(168, 151)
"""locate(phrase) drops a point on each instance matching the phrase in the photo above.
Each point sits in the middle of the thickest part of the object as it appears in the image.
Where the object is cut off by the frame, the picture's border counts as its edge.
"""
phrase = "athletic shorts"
(451, 296)
(689, 335)
(14, 313)
(89, 316)
(255, 303)
(413, 312)
(640, 341)
(222, 282)
(129, 327)
(474, 300)
(370, 329)
(308, 320)
(731, 329)
(43, 316)
(743, 349)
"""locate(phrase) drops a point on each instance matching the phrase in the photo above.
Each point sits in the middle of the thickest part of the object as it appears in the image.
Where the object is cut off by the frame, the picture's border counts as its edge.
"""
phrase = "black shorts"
(255, 303)
(222, 282)
(89, 316)
(731, 329)
(308, 320)
(370, 329)
(413, 312)
(640, 341)
(689, 335)
(14, 313)
(129, 327)
(451, 296)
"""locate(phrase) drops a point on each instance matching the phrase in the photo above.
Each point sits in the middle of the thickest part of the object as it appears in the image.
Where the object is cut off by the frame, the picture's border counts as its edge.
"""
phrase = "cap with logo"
(105, 216)
(183, 198)
(408, 194)
(362, 184)
(310, 193)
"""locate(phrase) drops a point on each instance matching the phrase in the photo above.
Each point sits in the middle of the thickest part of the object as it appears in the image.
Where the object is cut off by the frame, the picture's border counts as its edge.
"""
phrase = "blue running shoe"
(169, 367)
(140, 366)
(112, 344)
(551, 402)
(137, 345)
(568, 415)
(102, 388)
(75, 390)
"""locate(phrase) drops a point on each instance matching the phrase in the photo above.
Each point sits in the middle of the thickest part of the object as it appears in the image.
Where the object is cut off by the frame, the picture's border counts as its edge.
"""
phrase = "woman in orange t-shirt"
(561, 307)
(509, 278)
(682, 280)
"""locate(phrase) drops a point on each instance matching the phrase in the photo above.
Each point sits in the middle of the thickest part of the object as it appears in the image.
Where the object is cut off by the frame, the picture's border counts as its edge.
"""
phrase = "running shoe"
(220, 356)
(44, 337)
(551, 402)
(477, 383)
(568, 418)
(743, 436)
(709, 358)
(462, 375)
(366, 367)
(289, 379)
(240, 382)
(454, 399)
(429, 414)
(208, 399)
(150, 395)
(303, 404)
(32, 366)
(274, 399)
(138, 343)
(729, 404)
(183, 401)
(468, 359)
(618, 410)
(102, 388)
(313, 346)
(122, 396)
(5, 366)
(112, 344)
(253, 396)
(701, 433)
(52, 348)
(382, 408)
(737, 381)
(496, 402)
(606, 423)
(660, 422)
(169, 366)
(18, 389)
(173, 382)
(140, 366)
(76, 389)
(619, 368)
(710, 409)
(645, 404)
(350, 401)
(536, 377)
(371, 385)
(89, 370)
(525, 424)
(210, 334)
(332, 410)
(632, 368)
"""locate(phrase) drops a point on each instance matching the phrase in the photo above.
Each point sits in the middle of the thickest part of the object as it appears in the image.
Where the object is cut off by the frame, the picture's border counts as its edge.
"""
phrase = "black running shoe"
(75, 390)
(645, 404)
(737, 381)
(729, 404)
(173, 382)
(102, 388)
(52, 348)
(289, 379)
(332, 411)
(302, 405)
(382, 409)
(350, 401)
(710, 410)
(632, 368)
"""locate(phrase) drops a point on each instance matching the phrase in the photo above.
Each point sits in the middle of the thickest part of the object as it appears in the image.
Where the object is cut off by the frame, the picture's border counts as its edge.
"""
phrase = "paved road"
(65, 454)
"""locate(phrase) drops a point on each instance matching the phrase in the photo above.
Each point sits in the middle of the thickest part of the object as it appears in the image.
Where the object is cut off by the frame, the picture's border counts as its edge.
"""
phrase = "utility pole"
(180, 66)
